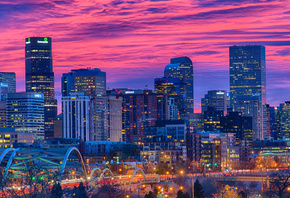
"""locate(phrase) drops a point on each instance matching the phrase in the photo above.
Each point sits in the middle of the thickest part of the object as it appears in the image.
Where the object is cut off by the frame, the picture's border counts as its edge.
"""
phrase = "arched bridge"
(45, 163)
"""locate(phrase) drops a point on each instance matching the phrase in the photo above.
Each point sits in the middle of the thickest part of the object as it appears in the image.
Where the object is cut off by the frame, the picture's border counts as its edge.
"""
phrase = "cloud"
(134, 40)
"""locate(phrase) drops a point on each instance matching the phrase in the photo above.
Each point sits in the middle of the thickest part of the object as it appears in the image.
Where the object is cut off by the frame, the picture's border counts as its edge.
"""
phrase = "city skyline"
(134, 52)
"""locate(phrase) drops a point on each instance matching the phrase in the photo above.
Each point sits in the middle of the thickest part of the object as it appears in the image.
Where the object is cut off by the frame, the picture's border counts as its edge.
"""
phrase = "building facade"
(91, 82)
(10, 79)
(216, 99)
(4, 89)
(76, 116)
(240, 125)
(285, 119)
(182, 68)
(39, 77)
(115, 118)
(176, 90)
(141, 110)
(25, 113)
(3, 114)
(248, 80)
(9, 136)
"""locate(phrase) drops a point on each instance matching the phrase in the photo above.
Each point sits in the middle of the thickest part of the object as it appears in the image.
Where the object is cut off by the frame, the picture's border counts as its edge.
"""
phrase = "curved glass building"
(182, 68)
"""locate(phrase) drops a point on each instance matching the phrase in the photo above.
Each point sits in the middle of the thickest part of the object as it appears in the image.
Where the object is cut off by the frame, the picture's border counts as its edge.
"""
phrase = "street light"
(181, 172)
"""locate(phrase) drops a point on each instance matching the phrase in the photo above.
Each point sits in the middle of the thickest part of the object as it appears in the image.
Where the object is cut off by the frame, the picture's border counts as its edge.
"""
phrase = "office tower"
(248, 84)
(25, 113)
(216, 99)
(91, 82)
(115, 118)
(172, 110)
(270, 114)
(3, 91)
(76, 116)
(2, 114)
(140, 110)
(211, 119)
(40, 77)
(175, 88)
(10, 79)
(234, 122)
(182, 68)
(196, 121)
(285, 119)
(277, 124)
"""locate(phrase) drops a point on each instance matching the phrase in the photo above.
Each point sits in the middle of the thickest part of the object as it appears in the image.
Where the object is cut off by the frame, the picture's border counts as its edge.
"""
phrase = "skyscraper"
(91, 82)
(25, 112)
(285, 119)
(176, 89)
(10, 79)
(216, 99)
(182, 68)
(247, 83)
(141, 110)
(40, 77)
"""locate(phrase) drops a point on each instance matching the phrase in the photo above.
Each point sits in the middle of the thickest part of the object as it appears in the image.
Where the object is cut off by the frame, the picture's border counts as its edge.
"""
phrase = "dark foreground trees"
(279, 182)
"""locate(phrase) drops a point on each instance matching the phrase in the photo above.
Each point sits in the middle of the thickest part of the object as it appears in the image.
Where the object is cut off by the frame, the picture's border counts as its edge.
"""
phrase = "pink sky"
(134, 40)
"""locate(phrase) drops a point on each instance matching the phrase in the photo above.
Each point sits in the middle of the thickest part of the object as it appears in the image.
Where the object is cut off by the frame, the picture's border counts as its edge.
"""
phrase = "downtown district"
(129, 126)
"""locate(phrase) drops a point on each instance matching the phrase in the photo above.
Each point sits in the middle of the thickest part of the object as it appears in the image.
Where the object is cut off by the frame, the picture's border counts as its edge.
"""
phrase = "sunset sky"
(132, 41)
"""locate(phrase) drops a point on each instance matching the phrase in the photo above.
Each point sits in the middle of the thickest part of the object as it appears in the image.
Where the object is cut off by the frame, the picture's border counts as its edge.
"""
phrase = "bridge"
(42, 163)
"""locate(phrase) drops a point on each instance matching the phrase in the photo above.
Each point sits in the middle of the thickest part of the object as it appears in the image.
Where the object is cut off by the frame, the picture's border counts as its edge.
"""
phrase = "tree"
(270, 163)
(149, 195)
(253, 185)
(180, 194)
(210, 186)
(80, 192)
(260, 162)
(109, 190)
(279, 182)
(198, 192)
(242, 194)
(228, 192)
(56, 191)
(161, 168)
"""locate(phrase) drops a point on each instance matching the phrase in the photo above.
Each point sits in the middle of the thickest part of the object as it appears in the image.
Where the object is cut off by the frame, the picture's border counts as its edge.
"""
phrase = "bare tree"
(279, 182)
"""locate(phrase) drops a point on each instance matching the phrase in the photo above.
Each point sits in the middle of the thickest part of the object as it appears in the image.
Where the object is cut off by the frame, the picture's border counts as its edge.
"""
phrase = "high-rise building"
(10, 79)
(277, 125)
(172, 110)
(3, 91)
(240, 125)
(270, 114)
(25, 113)
(182, 68)
(140, 110)
(176, 89)
(40, 77)
(115, 118)
(216, 99)
(211, 119)
(76, 116)
(196, 121)
(248, 80)
(285, 119)
(91, 82)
